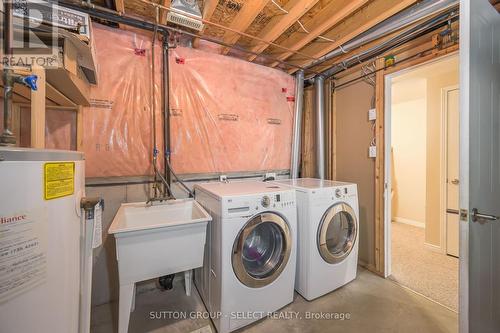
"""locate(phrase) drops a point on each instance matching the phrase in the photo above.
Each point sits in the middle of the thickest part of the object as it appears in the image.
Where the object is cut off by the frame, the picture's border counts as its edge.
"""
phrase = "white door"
(479, 167)
(451, 103)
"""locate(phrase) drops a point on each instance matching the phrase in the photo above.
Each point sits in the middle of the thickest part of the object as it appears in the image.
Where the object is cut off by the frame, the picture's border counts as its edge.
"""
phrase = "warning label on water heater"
(59, 180)
(22, 252)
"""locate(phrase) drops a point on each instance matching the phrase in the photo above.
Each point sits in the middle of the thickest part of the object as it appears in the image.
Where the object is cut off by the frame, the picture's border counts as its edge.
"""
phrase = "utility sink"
(156, 240)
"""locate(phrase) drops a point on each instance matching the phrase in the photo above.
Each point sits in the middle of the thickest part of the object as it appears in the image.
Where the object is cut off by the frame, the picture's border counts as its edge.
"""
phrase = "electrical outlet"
(270, 175)
(372, 151)
(223, 179)
(372, 114)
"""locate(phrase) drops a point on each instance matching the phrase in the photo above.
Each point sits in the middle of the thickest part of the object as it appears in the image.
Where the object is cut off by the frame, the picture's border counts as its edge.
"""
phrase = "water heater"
(45, 242)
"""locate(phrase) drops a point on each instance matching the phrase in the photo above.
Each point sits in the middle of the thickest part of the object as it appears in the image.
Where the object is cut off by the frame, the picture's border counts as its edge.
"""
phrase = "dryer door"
(261, 250)
(337, 233)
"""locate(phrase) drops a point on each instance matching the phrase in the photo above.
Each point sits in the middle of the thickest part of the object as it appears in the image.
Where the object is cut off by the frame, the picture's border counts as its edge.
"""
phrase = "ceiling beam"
(163, 12)
(120, 6)
(243, 20)
(278, 24)
(330, 15)
(209, 9)
(371, 15)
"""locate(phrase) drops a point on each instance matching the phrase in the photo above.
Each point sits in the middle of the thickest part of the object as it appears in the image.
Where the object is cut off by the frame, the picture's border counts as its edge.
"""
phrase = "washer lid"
(311, 183)
(238, 188)
(337, 233)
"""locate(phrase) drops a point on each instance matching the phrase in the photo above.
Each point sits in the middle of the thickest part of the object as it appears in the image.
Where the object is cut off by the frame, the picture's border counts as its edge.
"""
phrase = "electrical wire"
(302, 26)
(279, 7)
(326, 39)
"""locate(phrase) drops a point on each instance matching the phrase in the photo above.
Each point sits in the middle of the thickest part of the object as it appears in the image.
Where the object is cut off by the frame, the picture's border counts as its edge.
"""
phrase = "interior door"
(452, 176)
(479, 167)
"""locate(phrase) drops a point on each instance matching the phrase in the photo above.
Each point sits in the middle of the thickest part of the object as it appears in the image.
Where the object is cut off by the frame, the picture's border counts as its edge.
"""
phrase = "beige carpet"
(429, 273)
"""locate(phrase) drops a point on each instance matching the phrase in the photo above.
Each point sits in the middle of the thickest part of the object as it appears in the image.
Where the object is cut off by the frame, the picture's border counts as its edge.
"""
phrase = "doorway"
(421, 148)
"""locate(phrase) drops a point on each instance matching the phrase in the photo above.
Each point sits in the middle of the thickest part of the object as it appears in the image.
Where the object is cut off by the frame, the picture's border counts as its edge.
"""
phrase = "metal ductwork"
(402, 38)
(189, 7)
(297, 124)
(319, 86)
(396, 22)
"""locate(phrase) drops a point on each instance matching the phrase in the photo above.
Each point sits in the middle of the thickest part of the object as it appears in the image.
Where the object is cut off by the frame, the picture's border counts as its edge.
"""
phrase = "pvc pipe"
(319, 84)
(297, 124)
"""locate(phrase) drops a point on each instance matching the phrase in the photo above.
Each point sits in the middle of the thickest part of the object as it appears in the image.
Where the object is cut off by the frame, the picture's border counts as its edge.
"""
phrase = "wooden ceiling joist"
(120, 6)
(164, 12)
(208, 10)
(243, 20)
(330, 15)
(354, 25)
(278, 24)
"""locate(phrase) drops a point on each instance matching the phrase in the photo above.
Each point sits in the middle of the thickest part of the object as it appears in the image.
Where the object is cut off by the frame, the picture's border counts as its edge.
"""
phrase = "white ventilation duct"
(189, 7)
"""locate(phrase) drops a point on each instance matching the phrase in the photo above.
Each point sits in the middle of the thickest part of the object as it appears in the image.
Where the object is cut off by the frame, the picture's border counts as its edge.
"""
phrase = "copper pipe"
(227, 28)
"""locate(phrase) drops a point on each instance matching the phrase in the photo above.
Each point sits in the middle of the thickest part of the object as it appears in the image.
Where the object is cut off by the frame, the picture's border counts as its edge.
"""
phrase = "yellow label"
(59, 179)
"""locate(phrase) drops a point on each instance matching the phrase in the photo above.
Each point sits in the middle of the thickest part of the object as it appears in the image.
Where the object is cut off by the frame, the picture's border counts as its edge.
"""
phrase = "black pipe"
(166, 113)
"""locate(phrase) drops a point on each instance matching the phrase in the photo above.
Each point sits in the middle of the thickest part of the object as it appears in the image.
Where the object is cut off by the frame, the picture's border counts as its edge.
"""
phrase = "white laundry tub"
(156, 240)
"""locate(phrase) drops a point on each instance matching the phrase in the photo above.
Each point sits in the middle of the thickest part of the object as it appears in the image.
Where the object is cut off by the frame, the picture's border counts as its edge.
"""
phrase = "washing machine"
(250, 252)
(328, 232)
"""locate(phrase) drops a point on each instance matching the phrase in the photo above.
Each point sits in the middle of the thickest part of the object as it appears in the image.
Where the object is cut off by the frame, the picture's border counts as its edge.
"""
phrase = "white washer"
(328, 232)
(250, 254)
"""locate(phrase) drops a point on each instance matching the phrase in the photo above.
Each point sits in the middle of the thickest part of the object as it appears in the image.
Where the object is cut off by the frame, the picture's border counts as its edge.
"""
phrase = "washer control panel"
(277, 200)
(248, 205)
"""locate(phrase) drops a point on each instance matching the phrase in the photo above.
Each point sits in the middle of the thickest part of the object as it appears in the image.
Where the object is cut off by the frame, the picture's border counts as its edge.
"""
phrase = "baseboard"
(433, 248)
(369, 267)
(414, 223)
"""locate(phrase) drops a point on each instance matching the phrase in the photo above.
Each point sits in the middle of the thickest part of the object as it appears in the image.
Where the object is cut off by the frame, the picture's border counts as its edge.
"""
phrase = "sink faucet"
(158, 200)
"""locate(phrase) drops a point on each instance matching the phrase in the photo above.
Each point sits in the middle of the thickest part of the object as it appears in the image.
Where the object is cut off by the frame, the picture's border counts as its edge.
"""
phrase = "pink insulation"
(227, 115)
(118, 136)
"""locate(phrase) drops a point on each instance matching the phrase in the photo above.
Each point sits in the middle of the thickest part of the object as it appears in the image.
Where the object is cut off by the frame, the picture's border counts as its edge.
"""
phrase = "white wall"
(409, 131)
(437, 75)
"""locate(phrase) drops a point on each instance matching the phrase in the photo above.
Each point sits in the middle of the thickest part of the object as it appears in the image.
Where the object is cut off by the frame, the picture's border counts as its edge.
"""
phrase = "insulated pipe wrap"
(297, 124)
(319, 85)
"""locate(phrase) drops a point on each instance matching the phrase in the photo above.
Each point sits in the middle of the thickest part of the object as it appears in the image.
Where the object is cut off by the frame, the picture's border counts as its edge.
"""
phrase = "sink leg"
(188, 280)
(125, 305)
(132, 307)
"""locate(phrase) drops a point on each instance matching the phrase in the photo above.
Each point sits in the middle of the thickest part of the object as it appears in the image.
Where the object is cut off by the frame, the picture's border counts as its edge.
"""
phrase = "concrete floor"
(373, 304)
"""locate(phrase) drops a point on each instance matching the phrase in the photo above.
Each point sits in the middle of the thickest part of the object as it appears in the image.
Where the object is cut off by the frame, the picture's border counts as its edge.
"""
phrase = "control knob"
(266, 201)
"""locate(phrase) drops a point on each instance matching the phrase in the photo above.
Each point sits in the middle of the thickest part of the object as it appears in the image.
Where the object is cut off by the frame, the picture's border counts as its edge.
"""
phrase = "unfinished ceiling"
(286, 34)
